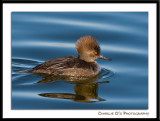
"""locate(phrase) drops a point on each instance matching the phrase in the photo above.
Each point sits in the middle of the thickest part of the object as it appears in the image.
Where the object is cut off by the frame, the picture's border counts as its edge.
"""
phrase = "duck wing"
(54, 65)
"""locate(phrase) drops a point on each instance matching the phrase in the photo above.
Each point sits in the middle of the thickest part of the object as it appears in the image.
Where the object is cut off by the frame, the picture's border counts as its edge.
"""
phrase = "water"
(41, 36)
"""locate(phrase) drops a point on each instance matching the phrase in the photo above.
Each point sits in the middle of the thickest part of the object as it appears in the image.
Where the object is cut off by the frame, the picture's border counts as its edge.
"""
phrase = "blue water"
(41, 36)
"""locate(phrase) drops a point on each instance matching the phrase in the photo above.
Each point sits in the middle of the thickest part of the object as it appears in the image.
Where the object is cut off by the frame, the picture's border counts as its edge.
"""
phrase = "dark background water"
(41, 36)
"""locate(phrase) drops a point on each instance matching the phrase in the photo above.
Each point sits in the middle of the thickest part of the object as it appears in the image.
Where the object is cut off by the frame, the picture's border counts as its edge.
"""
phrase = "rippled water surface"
(41, 36)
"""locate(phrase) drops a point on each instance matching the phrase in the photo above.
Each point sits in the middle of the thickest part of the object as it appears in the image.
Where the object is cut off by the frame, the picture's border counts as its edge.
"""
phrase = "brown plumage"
(66, 66)
(87, 43)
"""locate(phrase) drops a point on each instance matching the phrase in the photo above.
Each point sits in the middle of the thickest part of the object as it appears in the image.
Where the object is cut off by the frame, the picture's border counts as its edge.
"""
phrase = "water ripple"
(71, 45)
(81, 23)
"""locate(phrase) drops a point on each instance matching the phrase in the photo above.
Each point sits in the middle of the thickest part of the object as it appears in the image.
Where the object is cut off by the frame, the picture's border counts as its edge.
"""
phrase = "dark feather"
(56, 66)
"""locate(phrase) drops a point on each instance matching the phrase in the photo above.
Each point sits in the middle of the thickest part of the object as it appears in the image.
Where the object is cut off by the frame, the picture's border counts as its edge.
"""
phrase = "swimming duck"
(82, 66)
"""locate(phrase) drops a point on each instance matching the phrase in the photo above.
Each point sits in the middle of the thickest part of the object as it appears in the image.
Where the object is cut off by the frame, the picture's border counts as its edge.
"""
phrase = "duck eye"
(95, 52)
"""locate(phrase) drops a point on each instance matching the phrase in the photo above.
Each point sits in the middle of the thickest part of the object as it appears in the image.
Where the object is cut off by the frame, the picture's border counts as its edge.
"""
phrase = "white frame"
(87, 7)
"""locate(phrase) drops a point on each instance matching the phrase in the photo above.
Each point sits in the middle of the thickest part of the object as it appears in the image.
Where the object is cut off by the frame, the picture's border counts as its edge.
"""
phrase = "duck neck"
(85, 58)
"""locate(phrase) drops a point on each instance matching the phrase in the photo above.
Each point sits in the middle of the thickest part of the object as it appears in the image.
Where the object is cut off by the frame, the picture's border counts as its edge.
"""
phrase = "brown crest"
(87, 43)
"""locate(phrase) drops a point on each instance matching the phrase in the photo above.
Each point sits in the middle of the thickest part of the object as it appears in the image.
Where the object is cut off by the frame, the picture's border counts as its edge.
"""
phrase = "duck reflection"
(86, 90)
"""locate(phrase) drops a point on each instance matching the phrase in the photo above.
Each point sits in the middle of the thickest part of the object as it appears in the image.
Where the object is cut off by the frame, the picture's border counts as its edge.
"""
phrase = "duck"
(83, 65)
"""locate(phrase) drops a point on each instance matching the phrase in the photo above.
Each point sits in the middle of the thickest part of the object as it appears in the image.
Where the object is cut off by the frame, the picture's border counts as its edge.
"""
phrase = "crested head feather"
(87, 43)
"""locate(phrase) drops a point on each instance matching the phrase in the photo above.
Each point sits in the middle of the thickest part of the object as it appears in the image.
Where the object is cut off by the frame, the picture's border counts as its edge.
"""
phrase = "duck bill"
(105, 58)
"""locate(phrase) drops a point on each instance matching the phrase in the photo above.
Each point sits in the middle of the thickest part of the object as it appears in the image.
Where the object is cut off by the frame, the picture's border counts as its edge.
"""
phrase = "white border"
(8, 8)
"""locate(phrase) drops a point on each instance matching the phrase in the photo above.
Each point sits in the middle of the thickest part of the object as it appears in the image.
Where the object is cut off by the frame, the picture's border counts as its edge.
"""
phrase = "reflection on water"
(86, 89)
(84, 92)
